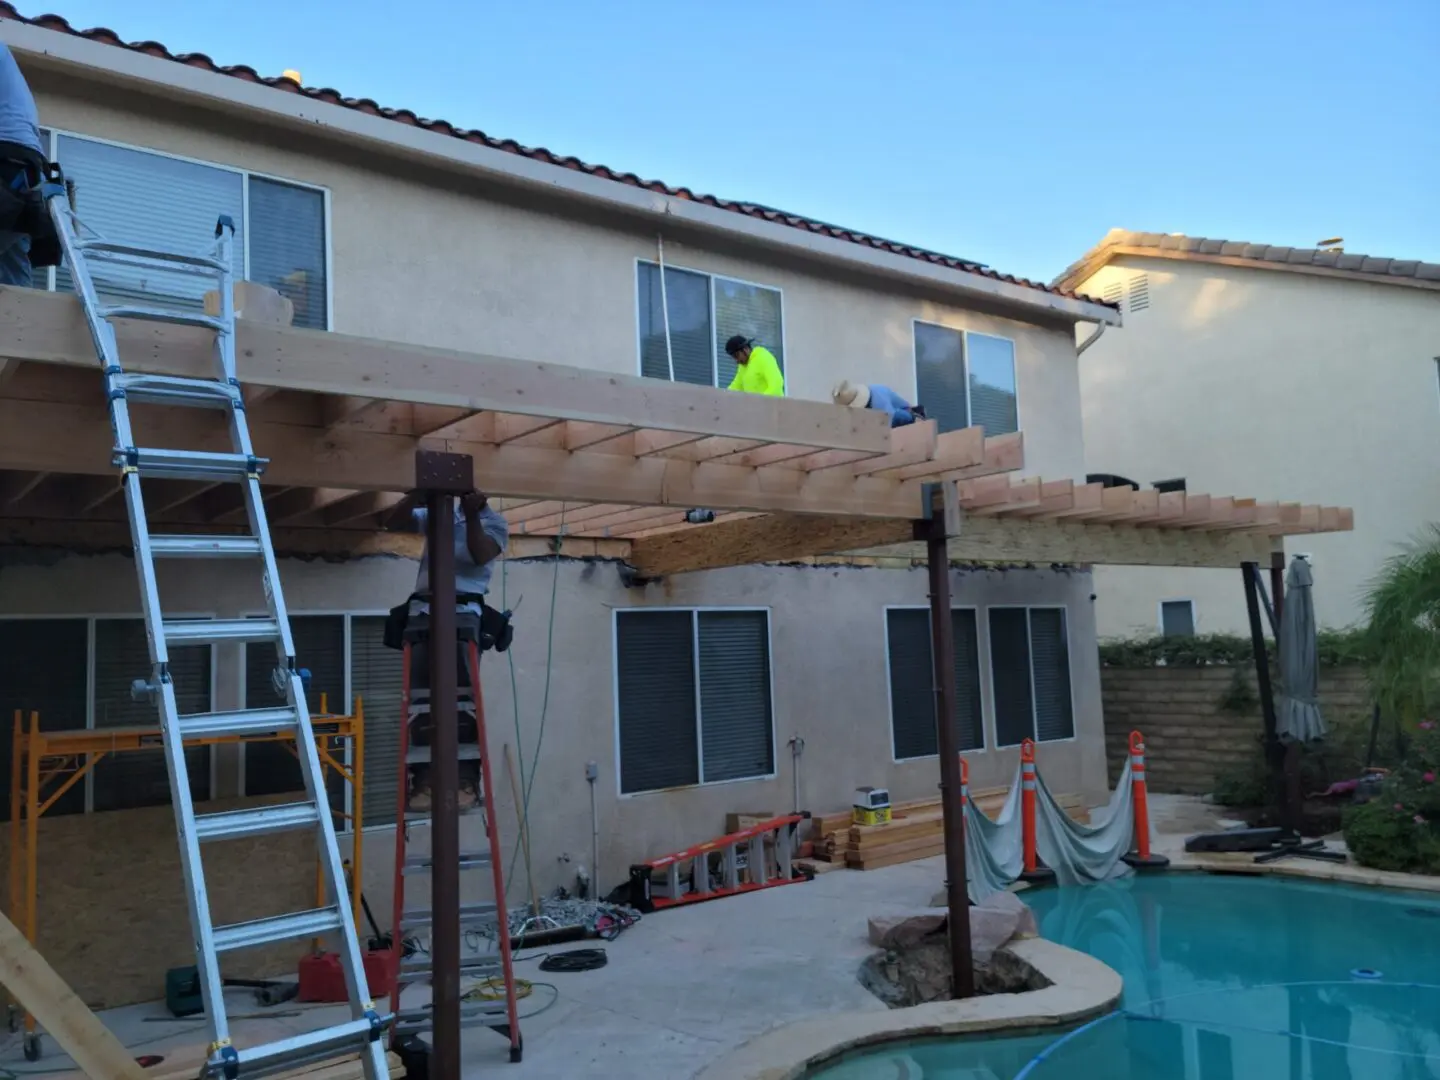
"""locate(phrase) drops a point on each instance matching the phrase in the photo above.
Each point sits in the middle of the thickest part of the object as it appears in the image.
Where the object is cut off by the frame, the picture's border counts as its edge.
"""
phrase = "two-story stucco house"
(379, 224)
(1273, 371)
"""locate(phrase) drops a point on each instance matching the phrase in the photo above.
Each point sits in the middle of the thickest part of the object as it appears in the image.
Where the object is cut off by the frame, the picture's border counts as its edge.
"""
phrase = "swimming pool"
(1226, 978)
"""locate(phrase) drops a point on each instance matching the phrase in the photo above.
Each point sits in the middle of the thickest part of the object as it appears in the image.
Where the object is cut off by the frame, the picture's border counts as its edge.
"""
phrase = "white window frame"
(965, 335)
(695, 612)
(1160, 613)
(53, 149)
(90, 618)
(715, 346)
(1029, 646)
(981, 652)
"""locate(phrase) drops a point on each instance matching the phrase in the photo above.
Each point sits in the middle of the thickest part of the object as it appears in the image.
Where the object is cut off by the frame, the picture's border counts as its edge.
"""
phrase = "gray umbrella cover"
(1299, 719)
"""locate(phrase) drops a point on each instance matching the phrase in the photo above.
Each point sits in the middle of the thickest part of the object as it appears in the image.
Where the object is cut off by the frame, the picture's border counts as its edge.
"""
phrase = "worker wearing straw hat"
(870, 396)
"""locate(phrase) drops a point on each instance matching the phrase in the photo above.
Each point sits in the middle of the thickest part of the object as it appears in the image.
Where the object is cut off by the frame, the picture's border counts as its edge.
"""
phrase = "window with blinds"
(705, 311)
(140, 777)
(44, 668)
(271, 767)
(377, 678)
(1030, 674)
(694, 697)
(155, 201)
(912, 682)
(965, 379)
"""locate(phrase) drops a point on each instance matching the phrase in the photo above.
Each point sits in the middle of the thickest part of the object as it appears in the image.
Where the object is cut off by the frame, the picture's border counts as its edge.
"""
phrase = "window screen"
(140, 777)
(991, 367)
(1177, 618)
(377, 678)
(735, 719)
(1050, 663)
(287, 246)
(751, 311)
(912, 682)
(1010, 676)
(940, 375)
(655, 674)
(152, 201)
(43, 669)
(687, 298)
(1030, 672)
(271, 767)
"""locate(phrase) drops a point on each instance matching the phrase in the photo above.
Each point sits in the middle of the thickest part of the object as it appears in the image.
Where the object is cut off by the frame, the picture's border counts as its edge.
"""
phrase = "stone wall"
(1190, 735)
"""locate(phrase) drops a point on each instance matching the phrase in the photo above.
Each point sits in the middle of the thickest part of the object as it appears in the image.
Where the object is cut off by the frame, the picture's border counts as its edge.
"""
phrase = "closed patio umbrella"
(1298, 718)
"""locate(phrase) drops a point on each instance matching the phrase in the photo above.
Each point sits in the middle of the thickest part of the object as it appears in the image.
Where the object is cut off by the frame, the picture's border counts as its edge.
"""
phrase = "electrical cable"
(575, 960)
(527, 782)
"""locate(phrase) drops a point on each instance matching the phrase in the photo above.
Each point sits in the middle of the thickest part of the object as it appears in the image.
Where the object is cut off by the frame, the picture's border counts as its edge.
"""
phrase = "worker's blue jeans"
(15, 266)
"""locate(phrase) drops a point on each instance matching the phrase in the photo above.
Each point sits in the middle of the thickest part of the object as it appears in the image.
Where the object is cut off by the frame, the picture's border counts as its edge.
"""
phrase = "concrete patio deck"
(684, 988)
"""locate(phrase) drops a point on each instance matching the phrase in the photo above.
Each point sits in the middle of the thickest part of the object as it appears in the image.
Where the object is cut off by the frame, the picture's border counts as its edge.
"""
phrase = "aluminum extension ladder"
(361, 1034)
(495, 1006)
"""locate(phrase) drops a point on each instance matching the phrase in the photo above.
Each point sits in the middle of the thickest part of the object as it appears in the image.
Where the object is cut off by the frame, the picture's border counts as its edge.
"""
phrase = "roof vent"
(1335, 244)
(1139, 288)
(293, 76)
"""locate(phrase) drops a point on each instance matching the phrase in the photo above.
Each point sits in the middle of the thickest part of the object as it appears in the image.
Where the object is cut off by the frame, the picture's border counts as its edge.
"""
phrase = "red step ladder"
(494, 1005)
(744, 866)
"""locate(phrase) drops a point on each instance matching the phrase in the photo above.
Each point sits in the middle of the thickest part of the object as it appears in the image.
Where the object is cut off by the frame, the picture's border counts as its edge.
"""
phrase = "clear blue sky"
(1014, 133)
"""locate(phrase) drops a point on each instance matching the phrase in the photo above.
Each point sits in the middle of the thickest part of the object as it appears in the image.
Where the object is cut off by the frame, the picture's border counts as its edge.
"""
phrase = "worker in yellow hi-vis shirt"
(756, 369)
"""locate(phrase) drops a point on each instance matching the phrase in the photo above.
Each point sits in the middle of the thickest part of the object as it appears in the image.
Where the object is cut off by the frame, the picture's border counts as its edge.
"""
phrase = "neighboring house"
(381, 225)
(1272, 372)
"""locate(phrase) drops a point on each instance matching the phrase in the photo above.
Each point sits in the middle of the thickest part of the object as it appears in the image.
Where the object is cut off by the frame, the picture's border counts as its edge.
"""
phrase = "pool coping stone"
(1083, 988)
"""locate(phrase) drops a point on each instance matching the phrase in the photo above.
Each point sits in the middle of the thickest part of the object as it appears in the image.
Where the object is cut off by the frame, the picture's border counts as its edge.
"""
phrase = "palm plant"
(1403, 604)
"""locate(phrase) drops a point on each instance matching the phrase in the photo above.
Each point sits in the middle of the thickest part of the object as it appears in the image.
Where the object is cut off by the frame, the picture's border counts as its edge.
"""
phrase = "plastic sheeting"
(995, 850)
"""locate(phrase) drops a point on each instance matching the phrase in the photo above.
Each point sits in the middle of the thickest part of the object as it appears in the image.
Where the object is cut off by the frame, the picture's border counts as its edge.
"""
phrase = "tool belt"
(495, 631)
(22, 204)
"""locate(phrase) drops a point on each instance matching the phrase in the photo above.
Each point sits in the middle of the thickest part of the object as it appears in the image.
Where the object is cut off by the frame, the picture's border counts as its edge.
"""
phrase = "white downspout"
(1099, 329)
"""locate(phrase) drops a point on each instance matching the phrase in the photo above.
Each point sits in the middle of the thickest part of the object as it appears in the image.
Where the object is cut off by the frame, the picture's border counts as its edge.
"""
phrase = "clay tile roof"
(1175, 246)
(443, 127)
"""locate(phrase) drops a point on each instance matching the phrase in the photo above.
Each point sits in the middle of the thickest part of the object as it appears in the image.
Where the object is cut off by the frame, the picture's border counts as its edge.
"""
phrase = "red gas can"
(321, 978)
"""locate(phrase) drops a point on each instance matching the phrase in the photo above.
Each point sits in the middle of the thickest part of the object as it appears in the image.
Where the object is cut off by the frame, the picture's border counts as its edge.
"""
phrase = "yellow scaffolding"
(44, 765)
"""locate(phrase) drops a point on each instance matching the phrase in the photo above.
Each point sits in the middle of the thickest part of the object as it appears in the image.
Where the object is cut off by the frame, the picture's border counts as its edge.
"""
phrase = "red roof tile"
(536, 153)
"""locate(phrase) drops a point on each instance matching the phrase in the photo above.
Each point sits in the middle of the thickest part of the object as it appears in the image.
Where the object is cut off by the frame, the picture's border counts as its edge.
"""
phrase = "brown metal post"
(942, 649)
(441, 477)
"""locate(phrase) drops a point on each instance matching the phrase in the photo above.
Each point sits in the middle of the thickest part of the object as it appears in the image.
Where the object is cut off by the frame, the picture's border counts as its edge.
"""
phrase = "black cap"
(738, 342)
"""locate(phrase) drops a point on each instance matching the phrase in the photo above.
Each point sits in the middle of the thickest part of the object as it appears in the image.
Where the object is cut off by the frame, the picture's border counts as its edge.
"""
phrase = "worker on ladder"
(481, 535)
(27, 235)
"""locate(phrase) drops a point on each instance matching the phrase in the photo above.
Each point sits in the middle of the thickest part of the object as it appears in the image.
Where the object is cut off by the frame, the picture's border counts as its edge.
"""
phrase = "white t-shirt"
(469, 577)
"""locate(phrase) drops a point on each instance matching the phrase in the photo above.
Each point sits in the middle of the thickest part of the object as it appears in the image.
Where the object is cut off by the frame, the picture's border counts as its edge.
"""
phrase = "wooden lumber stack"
(916, 830)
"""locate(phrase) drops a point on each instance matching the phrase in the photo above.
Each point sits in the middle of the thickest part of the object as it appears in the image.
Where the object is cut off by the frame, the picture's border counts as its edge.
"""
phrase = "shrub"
(1400, 828)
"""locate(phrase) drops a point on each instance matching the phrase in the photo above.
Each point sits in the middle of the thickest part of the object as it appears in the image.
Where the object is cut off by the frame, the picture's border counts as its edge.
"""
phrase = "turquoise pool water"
(1226, 978)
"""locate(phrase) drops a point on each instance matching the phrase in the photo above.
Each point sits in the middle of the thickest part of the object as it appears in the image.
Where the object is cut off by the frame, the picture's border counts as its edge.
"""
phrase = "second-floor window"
(156, 201)
(705, 311)
(965, 379)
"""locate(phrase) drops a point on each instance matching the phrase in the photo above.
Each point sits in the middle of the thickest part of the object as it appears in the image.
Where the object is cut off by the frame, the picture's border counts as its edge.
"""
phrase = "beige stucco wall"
(458, 265)
(827, 639)
(465, 266)
(1275, 386)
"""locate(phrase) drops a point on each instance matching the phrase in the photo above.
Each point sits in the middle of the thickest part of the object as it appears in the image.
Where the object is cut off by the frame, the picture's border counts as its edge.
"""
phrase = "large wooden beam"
(76, 1029)
(49, 327)
(788, 537)
(378, 461)
(768, 538)
(107, 536)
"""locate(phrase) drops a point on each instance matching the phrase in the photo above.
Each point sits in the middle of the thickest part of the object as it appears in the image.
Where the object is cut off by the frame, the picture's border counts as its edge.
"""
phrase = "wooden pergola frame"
(584, 463)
